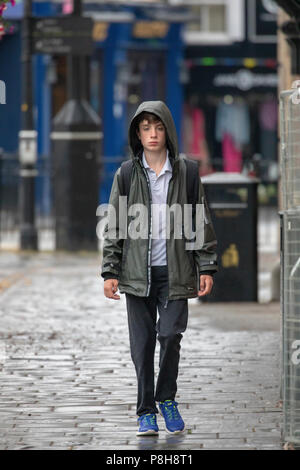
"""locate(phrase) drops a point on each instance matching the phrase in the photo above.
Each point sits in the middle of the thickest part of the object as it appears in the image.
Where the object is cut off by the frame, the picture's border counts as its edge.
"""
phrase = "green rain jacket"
(128, 259)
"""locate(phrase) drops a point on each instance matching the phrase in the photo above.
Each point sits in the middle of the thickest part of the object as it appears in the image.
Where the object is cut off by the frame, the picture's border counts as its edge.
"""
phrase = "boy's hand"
(206, 283)
(110, 287)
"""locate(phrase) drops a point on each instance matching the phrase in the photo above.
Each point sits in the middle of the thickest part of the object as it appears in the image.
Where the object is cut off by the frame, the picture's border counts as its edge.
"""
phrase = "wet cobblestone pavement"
(67, 380)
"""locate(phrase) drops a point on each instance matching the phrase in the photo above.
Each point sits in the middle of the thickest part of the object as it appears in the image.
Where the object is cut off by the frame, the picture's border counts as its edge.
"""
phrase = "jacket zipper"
(167, 299)
(149, 236)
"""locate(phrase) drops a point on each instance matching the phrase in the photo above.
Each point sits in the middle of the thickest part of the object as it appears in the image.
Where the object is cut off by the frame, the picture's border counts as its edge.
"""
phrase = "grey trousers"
(143, 331)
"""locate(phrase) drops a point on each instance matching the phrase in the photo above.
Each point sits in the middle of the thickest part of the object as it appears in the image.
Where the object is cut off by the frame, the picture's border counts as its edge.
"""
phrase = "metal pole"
(75, 156)
(77, 67)
(74, 68)
(27, 142)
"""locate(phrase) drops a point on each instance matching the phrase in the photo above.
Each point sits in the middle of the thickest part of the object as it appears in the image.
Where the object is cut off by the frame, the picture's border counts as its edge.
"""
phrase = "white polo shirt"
(159, 190)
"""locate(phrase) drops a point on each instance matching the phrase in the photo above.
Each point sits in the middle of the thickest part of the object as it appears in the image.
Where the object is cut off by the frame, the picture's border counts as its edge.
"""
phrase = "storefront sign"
(245, 80)
(150, 29)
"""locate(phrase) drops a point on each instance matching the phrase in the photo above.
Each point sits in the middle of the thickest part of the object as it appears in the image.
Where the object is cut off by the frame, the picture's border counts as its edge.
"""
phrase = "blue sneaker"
(148, 425)
(169, 411)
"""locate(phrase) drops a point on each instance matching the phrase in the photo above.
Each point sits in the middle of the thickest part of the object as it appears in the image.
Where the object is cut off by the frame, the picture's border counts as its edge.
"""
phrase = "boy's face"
(152, 136)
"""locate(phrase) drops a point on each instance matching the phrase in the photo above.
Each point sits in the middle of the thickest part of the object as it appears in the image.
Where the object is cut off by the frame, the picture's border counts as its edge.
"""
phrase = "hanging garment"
(233, 119)
(268, 115)
(268, 120)
(199, 144)
(232, 156)
(195, 139)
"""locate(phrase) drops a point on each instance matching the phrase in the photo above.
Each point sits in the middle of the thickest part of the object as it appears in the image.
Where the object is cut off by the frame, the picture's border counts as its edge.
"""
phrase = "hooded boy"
(156, 271)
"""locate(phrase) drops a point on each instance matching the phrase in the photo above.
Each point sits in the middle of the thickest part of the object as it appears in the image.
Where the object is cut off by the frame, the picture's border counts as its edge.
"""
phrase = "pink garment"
(194, 138)
(232, 156)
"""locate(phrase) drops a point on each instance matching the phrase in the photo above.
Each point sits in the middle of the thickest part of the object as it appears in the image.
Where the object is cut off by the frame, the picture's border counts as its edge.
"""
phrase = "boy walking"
(156, 272)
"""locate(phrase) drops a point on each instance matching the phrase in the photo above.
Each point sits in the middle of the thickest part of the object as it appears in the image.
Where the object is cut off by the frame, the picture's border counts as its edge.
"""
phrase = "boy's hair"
(136, 145)
(146, 116)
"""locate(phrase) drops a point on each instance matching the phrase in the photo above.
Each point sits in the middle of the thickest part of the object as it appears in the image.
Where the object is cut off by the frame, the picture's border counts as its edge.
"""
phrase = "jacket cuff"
(208, 273)
(108, 275)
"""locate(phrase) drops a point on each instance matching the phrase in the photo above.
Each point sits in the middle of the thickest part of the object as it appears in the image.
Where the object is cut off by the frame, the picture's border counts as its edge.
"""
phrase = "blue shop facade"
(137, 56)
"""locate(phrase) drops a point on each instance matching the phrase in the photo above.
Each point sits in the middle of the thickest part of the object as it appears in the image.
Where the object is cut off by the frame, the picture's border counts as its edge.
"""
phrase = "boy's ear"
(138, 133)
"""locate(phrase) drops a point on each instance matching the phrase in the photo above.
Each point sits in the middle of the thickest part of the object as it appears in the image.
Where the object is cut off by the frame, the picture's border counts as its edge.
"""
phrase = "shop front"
(231, 113)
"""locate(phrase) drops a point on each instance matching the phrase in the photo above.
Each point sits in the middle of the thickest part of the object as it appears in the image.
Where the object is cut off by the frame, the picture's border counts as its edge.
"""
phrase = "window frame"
(235, 20)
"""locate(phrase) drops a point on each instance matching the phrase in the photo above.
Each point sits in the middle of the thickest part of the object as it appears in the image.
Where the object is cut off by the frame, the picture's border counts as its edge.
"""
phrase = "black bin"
(232, 200)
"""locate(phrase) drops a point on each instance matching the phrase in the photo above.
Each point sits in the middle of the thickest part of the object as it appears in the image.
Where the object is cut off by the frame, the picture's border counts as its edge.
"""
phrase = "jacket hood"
(162, 111)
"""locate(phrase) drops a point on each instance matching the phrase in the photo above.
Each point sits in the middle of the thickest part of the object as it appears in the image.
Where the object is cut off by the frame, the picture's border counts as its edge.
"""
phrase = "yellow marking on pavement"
(9, 281)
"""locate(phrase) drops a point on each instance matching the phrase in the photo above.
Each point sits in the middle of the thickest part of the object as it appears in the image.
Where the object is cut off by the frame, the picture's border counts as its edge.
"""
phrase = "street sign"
(62, 35)
(28, 147)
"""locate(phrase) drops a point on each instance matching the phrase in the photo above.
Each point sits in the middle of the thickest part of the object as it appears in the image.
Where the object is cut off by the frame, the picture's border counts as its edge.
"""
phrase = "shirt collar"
(167, 166)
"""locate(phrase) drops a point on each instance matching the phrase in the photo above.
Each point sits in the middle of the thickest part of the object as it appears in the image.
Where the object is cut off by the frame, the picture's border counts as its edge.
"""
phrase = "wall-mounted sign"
(150, 29)
(100, 31)
(62, 35)
(262, 21)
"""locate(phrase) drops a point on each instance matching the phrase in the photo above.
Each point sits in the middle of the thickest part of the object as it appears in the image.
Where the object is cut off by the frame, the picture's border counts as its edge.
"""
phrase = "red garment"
(232, 156)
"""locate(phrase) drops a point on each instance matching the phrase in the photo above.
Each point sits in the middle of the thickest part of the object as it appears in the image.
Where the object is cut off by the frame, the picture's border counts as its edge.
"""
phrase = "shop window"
(235, 133)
